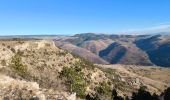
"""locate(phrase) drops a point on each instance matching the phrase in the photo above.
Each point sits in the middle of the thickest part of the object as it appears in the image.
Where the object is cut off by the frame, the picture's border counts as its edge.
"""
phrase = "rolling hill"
(122, 49)
(157, 47)
(37, 69)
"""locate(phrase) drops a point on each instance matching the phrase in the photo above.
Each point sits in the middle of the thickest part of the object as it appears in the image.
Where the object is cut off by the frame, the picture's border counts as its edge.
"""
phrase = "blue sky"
(34, 17)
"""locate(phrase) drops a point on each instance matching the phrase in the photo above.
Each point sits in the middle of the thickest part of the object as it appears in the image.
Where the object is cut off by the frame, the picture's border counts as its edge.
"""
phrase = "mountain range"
(119, 49)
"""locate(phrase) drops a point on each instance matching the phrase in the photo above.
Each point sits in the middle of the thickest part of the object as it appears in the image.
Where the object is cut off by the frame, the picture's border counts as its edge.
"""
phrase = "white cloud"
(151, 30)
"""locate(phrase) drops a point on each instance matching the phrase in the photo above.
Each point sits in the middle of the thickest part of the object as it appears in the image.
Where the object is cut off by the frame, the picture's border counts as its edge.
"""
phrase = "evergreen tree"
(167, 94)
(142, 94)
(115, 96)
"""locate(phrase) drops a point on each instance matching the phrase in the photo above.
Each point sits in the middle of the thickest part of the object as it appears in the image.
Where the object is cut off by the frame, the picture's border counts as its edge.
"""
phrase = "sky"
(65, 17)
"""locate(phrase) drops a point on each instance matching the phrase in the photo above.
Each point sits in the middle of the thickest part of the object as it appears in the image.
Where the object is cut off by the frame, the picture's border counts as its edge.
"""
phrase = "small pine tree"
(17, 65)
(74, 80)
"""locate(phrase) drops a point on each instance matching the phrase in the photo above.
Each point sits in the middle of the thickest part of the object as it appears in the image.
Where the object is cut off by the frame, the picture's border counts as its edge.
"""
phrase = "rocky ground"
(32, 69)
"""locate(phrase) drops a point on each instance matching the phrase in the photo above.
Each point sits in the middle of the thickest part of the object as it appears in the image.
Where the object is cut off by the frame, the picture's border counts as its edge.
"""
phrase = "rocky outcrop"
(18, 89)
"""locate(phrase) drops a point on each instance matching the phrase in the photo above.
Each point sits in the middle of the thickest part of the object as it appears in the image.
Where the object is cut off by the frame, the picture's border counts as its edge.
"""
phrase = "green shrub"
(17, 65)
(74, 80)
(13, 50)
(102, 92)
(3, 62)
(103, 89)
(61, 53)
(47, 44)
